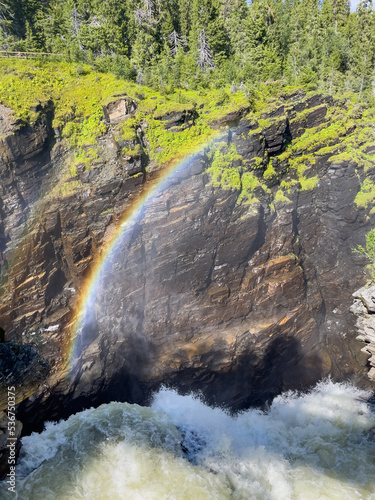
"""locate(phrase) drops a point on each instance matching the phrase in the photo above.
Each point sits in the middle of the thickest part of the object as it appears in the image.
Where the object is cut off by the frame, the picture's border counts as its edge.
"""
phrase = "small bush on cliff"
(366, 195)
(368, 251)
(270, 172)
(249, 183)
(223, 171)
(308, 184)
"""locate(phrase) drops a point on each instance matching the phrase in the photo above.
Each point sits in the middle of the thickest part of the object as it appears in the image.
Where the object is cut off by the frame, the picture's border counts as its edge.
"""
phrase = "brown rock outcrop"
(119, 110)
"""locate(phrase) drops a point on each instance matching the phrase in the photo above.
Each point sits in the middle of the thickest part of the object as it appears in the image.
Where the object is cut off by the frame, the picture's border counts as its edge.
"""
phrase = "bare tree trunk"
(331, 82)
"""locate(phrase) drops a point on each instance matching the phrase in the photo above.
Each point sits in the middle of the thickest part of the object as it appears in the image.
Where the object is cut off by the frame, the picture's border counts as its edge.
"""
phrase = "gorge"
(228, 271)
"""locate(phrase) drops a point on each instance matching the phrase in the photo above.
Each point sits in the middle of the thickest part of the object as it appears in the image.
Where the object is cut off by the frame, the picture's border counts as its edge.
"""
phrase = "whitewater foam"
(311, 446)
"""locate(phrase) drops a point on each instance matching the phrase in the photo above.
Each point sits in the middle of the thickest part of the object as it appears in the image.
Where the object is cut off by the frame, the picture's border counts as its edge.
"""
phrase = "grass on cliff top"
(78, 94)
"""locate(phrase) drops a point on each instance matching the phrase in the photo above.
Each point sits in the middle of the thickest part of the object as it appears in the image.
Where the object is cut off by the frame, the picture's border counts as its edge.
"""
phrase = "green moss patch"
(227, 172)
(270, 172)
(222, 171)
(280, 196)
(308, 184)
(366, 195)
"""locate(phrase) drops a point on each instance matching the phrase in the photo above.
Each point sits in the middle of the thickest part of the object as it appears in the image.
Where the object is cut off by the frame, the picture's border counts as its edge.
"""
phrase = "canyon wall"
(238, 301)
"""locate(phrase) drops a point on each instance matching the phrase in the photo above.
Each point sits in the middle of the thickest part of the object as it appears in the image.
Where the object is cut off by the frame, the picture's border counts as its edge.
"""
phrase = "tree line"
(195, 43)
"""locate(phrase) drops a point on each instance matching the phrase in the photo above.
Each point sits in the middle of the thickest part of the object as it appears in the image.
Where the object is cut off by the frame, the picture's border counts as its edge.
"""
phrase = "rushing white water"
(314, 446)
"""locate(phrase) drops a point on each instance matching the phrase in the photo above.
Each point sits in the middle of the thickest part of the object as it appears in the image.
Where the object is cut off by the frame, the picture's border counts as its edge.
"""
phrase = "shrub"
(368, 251)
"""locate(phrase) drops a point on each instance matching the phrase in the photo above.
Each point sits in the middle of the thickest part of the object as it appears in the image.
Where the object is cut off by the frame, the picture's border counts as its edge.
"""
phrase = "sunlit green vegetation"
(75, 94)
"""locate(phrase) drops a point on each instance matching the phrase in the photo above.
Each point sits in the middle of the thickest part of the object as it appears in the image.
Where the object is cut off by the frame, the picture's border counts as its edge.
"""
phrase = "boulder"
(119, 110)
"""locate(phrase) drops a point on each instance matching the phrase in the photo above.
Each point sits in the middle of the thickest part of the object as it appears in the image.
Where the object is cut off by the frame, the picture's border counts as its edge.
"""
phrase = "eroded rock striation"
(239, 301)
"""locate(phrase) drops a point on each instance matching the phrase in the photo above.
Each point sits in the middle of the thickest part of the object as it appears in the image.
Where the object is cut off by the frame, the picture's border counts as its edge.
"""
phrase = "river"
(318, 445)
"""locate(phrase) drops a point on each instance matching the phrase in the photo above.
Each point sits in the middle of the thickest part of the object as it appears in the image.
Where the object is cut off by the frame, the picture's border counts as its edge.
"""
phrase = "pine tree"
(184, 15)
(363, 50)
(5, 11)
(165, 24)
(53, 27)
(76, 20)
(340, 13)
(235, 22)
(334, 60)
(146, 45)
(7, 19)
(30, 43)
(205, 16)
(304, 41)
(177, 67)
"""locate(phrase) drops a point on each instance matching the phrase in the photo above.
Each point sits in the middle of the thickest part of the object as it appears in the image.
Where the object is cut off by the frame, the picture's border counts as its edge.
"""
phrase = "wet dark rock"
(21, 367)
(134, 166)
(230, 118)
(276, 135)
(311, 119)
(179, 121)
(22, 371)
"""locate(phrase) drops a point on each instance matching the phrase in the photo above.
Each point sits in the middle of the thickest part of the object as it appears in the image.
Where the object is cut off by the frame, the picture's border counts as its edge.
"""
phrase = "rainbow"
(128, 220)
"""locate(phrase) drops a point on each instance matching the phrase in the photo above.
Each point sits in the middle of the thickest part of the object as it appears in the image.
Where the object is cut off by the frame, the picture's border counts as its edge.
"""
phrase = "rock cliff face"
(238, 301)
(22, 372)
(364, 308)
